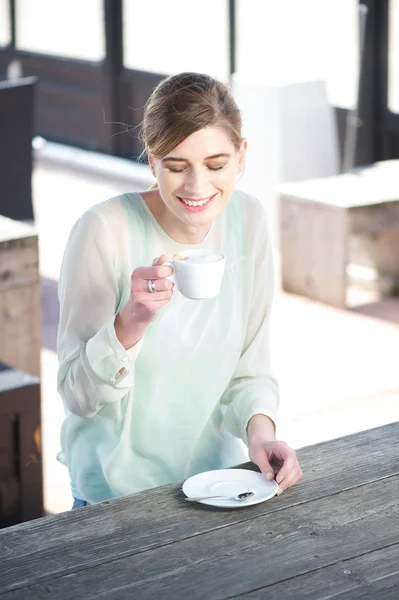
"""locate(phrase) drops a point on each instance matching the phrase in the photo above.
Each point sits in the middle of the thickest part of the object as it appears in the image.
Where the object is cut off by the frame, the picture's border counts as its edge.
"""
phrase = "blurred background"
(318, 85)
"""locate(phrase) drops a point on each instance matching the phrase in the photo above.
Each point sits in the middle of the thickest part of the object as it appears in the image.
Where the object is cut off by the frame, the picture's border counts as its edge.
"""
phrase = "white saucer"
(230, 482)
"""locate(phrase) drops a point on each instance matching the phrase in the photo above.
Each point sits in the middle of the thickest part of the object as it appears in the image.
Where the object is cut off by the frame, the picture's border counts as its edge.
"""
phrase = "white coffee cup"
(197, 274)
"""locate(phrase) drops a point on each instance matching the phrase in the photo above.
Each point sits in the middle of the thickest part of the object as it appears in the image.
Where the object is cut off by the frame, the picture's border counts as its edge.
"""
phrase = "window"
(393, 57)
(288, 41)
(73, 29)
(177, 35)
(5, 24)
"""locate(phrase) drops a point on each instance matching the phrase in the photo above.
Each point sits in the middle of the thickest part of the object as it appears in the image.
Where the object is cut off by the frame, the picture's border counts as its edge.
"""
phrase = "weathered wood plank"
(19, 263)
(12, 230)
(20, 307)
(366, 186)
(376, 218)
(20, 328)
(373, 575)
(19, 254)
(319, 218)
(245, 556)
(378, 252)
(53, 546)
(319, 275)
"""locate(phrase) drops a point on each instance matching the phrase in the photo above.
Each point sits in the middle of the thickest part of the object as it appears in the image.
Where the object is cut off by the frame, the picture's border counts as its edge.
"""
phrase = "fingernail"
(269, 476)
(279, 491)
(279, 479)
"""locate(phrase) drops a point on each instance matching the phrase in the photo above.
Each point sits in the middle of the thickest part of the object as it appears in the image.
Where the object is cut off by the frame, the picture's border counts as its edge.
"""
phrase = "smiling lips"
(197, 205)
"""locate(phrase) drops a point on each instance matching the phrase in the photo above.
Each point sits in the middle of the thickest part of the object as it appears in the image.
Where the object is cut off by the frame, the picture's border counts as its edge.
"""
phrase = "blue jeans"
(79, 503)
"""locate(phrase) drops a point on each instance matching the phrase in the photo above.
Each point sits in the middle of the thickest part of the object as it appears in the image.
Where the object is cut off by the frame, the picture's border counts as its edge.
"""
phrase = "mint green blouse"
(200, 372)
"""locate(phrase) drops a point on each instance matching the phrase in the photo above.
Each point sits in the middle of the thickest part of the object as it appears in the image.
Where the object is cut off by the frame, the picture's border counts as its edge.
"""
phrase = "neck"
(187, 235)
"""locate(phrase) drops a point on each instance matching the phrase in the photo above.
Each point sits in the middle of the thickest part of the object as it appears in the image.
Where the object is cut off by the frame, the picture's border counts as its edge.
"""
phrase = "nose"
(195, 183)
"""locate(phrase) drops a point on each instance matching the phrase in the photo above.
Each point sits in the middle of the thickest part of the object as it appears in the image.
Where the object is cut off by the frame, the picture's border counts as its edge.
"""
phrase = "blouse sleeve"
(94, 367)
(253, 388)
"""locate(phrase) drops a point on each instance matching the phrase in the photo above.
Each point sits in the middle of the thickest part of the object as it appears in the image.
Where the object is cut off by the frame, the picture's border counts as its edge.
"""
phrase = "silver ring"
(151, 286)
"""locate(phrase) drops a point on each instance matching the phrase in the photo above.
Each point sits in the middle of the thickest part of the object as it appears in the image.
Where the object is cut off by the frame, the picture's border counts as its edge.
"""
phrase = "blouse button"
(125, 359)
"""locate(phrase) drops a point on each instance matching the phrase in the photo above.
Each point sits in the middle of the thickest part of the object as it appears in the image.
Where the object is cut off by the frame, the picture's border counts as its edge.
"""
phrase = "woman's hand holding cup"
(149, 292)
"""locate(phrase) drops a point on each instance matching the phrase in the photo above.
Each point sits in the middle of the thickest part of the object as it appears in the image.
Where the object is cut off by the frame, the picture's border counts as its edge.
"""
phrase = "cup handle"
(172, 277)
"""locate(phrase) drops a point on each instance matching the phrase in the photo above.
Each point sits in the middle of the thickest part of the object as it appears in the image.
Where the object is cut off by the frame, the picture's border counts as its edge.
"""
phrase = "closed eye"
(175, 170)
(182, 170)
(217, 168)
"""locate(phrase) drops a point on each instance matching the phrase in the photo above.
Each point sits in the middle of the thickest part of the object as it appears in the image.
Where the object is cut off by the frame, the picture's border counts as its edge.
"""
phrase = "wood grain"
(372, 575)
(20, 308)
(245, 556)
(18, 263)
(61, 545)
(314, 250)
(20, 328)
(319, 218)
(376, 218)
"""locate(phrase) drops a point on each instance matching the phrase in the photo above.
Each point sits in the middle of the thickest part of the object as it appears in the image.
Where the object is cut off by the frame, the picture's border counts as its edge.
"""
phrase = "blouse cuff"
(109, 359)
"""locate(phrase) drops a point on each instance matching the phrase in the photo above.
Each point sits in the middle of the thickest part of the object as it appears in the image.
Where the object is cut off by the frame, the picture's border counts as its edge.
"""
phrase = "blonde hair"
(183, 104)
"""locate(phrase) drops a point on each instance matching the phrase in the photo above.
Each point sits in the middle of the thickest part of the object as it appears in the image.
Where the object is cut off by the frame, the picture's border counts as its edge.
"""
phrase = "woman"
(157, 387)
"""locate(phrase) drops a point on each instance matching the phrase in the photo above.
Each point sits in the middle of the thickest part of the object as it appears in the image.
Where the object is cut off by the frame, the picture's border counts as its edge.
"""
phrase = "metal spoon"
(238, 498)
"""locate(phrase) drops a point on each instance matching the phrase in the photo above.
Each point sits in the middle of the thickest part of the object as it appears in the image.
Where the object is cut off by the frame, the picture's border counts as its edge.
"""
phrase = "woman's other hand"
(274, 458)
(143, 305)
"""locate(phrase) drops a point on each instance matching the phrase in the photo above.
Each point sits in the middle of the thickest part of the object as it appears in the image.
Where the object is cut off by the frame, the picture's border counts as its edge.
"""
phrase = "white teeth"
(199, 203)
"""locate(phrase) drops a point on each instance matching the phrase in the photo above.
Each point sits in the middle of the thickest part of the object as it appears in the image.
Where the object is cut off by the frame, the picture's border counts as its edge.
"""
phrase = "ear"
(241, 154)
(151, 162)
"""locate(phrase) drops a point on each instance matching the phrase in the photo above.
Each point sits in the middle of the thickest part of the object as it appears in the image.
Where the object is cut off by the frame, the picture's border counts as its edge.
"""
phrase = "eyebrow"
(175, 159)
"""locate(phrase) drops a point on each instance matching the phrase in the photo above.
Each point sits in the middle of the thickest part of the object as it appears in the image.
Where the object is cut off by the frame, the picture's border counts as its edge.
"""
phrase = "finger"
(159, 297)
(141, 285)
(259, 457)
(158, 304)
(294, 477)
(161, 259)
(156, 272)
(146, 299)
(290, 462)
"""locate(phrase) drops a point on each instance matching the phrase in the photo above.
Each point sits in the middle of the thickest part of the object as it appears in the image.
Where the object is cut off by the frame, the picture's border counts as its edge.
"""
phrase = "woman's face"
(197, 178)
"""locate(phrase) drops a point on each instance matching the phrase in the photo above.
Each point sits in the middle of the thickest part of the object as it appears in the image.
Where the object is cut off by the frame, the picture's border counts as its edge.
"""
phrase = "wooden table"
(334, 535)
